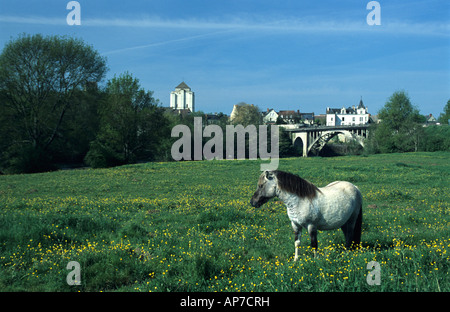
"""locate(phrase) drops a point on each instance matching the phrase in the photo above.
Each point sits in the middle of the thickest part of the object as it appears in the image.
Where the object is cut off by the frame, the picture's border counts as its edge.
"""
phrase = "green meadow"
(188, 226)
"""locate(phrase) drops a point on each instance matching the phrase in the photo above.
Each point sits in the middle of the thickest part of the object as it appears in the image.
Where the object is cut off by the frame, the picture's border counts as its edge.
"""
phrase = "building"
(290, 117)
(270, 117)
(307, 118)
(182, 98)
(350, 116)
(431, 120)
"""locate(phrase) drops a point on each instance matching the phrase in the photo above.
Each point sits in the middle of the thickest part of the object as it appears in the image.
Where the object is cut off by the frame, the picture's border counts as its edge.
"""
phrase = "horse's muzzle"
(258, 203)
(254, 203)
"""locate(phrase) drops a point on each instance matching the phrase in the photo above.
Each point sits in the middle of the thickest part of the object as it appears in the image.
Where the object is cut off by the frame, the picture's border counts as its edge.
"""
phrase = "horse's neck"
(298, 208)
(292, 201)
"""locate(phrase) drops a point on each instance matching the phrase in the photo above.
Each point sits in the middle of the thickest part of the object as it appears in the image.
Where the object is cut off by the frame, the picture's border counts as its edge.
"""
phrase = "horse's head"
(267, 186)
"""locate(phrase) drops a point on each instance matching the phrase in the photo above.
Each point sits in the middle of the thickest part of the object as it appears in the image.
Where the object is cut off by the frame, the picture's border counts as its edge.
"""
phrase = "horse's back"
(342, 190)
(339, 201)
(341, 186)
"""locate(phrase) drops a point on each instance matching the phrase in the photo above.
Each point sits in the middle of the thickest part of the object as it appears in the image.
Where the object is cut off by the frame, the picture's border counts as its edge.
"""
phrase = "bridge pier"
(304, 137)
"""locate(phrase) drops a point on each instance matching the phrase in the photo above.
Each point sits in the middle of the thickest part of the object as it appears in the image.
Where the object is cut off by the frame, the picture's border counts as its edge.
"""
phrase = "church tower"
(182, 98)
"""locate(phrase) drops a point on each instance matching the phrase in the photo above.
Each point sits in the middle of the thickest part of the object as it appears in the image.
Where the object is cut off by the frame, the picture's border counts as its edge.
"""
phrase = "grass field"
(188, 226)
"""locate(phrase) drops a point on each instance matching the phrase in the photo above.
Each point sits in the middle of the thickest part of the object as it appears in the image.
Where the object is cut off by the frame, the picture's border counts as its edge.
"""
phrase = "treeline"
(119, 124)
(54, 111)
(401, 129)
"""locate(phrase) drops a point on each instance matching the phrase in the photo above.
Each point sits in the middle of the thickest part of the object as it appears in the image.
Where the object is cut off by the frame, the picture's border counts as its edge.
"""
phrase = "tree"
(399, 130)
(39, 77)
(436, 138)
(286, 148)
(247, 114)
(132, 125)
(445, 116)
(80, 127)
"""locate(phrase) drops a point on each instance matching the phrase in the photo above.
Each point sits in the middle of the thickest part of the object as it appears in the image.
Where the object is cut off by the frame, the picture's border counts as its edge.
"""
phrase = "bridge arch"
(325, 136)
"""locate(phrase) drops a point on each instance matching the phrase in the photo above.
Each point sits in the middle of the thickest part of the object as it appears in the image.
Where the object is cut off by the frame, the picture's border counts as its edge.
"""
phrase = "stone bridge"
(313, 139)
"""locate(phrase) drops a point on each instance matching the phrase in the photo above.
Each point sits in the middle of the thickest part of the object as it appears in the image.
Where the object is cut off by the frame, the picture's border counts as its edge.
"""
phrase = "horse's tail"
(357, 228)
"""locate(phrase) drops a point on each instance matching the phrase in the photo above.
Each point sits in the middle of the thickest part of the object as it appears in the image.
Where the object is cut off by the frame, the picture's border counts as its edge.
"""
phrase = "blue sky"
(305, 55)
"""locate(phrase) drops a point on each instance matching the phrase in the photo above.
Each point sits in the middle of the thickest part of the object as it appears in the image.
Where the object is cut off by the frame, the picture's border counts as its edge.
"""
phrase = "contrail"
(155, 44)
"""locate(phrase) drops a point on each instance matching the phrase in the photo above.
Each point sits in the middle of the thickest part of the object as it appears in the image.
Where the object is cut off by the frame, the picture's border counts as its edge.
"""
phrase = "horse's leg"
(312, 231)
(347, 229)
(298, 235)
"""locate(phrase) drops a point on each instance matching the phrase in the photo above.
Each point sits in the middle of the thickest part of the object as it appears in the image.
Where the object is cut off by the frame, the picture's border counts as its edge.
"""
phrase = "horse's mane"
(292, 183)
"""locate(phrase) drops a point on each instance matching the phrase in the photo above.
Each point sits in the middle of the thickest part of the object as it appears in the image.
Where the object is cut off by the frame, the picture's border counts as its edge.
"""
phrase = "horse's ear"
(269, 175)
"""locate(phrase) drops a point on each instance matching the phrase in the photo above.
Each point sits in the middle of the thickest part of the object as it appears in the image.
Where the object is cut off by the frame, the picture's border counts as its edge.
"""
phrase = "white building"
(270, 116)
(350, 116)
(182, 98)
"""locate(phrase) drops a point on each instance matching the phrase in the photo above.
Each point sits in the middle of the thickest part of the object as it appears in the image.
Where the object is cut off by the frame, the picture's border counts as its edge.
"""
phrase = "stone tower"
(182, 98)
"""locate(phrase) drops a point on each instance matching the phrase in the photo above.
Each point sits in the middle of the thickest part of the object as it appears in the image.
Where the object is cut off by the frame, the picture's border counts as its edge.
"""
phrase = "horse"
(337, 205)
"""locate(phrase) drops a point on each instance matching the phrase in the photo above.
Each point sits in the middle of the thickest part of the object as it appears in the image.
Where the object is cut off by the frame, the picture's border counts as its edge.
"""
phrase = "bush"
(102, 156)
(436, 138)
(27, 159)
